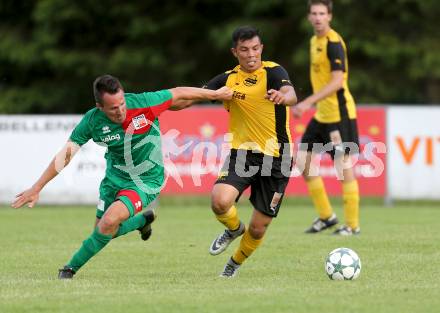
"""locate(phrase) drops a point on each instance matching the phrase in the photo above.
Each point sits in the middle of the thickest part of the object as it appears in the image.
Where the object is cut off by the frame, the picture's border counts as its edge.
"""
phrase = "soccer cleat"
(146, 230)
(347, 231)
(66, 273)
(224, 240)
(320, 225)
(231, 269)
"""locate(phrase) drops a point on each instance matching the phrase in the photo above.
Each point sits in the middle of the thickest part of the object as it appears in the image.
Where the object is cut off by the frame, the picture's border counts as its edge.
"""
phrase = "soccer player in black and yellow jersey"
(333, 128)
(260, 155)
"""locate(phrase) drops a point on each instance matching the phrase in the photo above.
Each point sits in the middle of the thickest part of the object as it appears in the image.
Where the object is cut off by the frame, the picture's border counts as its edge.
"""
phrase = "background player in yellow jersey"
(334, 123)
(260, 156)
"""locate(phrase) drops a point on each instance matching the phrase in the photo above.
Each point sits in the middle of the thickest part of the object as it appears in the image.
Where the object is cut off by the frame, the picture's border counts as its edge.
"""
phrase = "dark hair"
(327, 3)
(244, 33)
(105, 84)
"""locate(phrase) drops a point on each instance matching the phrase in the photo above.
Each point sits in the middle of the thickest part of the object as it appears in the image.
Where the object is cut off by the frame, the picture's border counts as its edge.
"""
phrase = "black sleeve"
(217, 82)
(336, 55)
(277, 77)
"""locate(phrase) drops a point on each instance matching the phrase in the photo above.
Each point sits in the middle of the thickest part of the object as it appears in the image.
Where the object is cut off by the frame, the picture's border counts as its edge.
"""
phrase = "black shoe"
(146, 230)
(347, 231)
(66, 273)
(320, 225)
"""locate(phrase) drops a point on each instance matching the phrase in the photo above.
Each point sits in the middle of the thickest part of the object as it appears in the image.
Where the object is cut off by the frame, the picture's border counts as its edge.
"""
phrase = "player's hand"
(224, 93)
(299, 109)
(29, 197)
(276, 96)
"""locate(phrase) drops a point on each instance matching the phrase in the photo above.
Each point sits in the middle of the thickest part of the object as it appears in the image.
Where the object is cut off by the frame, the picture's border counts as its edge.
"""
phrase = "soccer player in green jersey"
(127, 124)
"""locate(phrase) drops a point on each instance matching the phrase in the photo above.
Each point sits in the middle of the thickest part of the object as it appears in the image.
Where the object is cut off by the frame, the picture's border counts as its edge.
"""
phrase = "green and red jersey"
(134, 150)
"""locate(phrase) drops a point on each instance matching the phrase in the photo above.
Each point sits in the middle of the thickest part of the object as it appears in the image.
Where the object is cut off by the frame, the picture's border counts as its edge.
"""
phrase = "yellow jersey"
(329, 53)
(255, 122)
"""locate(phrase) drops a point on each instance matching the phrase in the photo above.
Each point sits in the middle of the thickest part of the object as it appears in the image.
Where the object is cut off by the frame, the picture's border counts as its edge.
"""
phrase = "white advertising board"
(413, 136)
(29, 142)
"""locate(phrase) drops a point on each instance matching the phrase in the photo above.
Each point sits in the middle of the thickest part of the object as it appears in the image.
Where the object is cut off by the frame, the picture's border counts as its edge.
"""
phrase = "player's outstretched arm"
(30, 196)
(185, 96)
(181, 104)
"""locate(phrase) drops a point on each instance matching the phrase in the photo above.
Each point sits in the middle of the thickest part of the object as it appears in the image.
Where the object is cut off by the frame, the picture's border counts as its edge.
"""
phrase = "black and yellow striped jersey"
(328, 53)
(255, 122)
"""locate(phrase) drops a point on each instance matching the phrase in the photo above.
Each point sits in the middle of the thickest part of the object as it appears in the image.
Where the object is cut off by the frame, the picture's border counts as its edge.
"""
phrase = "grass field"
(173, 272)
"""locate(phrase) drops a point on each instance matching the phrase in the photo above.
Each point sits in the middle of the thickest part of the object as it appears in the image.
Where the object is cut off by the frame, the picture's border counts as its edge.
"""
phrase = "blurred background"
(51, 50)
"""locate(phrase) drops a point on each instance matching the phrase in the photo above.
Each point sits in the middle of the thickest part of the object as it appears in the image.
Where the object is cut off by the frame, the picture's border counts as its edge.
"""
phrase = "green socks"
(131, 224)
(97, 241)
(88, 249)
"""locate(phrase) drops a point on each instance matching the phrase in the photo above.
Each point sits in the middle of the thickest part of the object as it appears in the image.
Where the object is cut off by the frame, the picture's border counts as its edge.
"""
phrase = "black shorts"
(267, 177)
(317, 137)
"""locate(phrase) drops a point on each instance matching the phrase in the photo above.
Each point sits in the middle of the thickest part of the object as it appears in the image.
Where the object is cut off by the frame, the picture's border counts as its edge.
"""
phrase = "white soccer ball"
(343, 264)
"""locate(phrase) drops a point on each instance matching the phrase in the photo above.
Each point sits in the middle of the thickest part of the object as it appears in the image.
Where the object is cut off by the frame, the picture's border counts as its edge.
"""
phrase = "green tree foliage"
(51, 50)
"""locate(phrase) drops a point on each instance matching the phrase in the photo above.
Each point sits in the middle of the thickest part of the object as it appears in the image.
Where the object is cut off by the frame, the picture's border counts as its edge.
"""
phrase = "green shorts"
(134, 198)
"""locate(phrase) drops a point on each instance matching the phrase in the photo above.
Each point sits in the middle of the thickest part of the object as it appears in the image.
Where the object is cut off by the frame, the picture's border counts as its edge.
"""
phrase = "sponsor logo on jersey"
(239, 95)
(250, 81)
(106, 130)
(109, 138)
(140, 121)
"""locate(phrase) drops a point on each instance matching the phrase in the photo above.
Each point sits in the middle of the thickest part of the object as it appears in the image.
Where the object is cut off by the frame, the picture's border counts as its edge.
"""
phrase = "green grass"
(173, 272)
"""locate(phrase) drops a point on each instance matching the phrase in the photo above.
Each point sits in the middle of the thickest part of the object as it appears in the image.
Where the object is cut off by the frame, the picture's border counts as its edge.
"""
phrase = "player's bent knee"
(108, 224)
(221, 204)
(257, 231)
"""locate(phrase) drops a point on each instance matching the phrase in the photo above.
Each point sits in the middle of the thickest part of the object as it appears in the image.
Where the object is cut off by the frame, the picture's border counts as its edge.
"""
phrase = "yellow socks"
(230, 219)
(351, 203)
(247, 246)
(319, 197)
(350, 195)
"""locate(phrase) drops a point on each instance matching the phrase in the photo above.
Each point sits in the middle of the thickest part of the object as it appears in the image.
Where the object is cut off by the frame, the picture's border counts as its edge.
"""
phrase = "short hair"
(327, 3)
(244, 33)
(105, 84)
